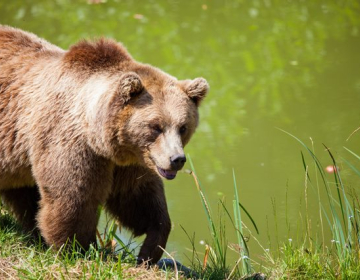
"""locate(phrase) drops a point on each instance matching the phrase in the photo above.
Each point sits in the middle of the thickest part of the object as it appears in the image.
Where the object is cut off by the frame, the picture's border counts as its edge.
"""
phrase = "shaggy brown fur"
(89, 127)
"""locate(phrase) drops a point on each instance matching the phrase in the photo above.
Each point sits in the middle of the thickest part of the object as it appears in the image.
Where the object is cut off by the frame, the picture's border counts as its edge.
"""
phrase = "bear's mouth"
(168, 174)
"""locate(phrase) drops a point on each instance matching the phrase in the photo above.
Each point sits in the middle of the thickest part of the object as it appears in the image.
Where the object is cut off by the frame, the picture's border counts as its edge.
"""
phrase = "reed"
(339, 214)
(215, 264)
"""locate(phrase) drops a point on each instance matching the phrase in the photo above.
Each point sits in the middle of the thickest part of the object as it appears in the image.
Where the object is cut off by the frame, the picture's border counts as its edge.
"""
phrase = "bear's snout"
(177, 161)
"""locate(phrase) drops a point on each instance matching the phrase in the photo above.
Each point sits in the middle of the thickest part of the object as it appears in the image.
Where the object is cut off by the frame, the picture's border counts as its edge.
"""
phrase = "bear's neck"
(93, 100)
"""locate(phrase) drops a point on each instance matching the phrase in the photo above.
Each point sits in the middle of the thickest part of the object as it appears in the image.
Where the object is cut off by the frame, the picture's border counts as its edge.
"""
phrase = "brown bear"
(87, 127)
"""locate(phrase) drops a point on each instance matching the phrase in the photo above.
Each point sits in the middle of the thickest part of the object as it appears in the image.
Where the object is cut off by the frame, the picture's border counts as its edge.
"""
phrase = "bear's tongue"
(168, 174)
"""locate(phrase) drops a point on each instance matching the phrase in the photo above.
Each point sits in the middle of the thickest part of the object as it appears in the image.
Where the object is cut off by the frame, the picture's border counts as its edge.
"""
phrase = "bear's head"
(159, 117)
(134, 113)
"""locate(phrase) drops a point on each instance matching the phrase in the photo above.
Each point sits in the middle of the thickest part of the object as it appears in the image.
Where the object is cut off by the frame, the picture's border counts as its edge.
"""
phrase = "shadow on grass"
(10, 230)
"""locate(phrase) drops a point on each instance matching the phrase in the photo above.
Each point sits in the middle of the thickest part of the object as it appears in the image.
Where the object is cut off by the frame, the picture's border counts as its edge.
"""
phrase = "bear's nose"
(177, 161)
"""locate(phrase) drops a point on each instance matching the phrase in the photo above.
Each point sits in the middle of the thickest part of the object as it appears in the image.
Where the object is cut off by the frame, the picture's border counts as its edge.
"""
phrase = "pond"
(293, 65)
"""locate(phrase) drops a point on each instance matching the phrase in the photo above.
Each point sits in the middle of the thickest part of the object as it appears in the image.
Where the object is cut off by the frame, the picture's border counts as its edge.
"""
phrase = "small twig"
(207, 251)
(100, 239)
(141, 176)
(356, 130)
(12, 277)
(233, 270)
(171, 257)
(192, 173)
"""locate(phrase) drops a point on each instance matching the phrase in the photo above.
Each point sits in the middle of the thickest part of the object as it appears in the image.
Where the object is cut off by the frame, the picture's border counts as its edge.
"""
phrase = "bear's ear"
(130, 86)
(196, 89)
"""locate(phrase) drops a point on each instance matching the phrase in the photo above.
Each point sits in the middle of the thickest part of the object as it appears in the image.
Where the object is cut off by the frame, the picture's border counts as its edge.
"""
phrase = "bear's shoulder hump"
(97, 55)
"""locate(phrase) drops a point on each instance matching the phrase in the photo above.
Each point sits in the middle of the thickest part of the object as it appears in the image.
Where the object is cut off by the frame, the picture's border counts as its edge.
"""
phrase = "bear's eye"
(157, 128)
(183, 129)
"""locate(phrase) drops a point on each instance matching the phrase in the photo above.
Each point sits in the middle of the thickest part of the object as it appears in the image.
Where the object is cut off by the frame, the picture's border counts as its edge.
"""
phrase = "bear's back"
(19, 52)
(14, 41)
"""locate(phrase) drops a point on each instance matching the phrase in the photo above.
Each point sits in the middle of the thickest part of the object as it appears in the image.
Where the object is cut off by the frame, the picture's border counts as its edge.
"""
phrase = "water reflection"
(293, 65)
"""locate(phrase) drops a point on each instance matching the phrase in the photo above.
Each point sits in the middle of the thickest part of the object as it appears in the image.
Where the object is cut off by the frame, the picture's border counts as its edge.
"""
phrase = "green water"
(293, 65)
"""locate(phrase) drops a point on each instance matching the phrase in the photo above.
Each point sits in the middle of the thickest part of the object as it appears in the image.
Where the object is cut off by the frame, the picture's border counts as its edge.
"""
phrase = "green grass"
(22, 257)
(310, 256)
(215, 264)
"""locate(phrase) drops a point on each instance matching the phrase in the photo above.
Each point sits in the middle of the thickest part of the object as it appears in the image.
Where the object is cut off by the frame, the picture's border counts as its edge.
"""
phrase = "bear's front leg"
(154, 243)
(138, 202)
(71, 188)
(62, 219)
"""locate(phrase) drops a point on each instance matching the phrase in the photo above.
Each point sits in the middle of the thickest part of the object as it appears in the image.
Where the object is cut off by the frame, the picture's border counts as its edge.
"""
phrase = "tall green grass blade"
(125, 247)
(357, 171)
(348, 207)
(351, 152)
(233, 223)
(194, 252)
(249, 216)
(320, 202)
(214, 232)
(337, 229)
(304, 163)
(247, 213)
(227, 212)
(241, 241)
(317, 162)
(338, 185)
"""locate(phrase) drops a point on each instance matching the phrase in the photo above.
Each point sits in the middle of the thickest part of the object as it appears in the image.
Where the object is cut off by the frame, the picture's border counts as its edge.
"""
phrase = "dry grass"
(7, 270)
(13, 268)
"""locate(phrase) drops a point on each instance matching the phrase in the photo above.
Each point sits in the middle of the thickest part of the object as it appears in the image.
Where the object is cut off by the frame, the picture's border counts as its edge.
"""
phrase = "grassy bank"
(22, 257)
